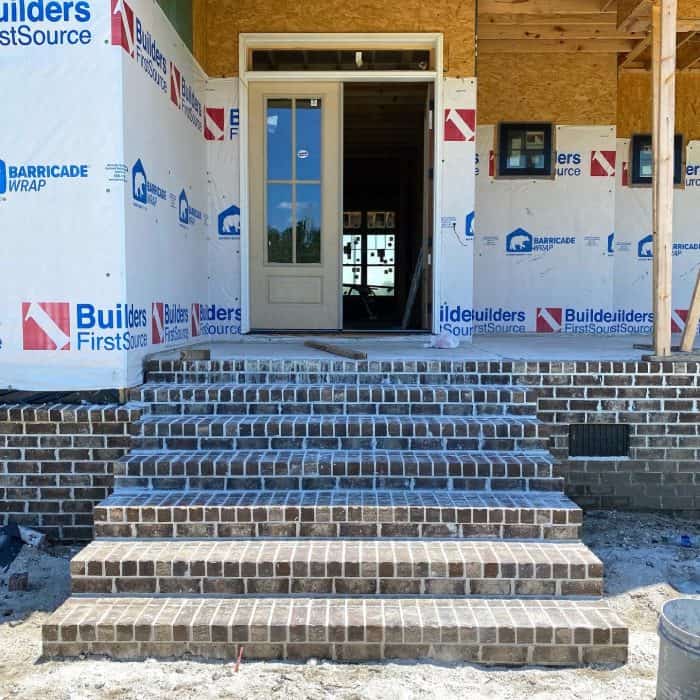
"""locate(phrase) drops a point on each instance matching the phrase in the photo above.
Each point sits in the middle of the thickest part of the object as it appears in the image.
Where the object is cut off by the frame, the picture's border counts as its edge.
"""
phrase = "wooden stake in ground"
(664, 90)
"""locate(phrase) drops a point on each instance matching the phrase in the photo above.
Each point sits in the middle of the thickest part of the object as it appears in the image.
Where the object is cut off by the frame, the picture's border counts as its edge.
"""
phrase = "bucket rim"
(689, 639)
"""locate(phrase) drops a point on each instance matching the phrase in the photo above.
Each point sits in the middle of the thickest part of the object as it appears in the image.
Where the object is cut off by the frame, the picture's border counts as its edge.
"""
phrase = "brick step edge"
(487, 631)
(367, 567)
(330, 470)
(449, 514)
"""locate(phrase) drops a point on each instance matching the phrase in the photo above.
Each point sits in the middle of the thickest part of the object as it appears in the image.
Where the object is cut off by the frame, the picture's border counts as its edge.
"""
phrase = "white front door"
(295, 205)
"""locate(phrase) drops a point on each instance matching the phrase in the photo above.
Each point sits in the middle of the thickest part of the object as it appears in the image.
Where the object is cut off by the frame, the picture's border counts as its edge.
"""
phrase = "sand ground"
(645, 566)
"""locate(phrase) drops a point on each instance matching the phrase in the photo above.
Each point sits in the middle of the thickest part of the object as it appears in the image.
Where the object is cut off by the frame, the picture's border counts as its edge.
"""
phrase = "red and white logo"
(122, 22)
(194, 326)
(678, 319)
(460, 124)
(157, 323)
(214, 123)
(625, 174)
(603, 163)
(45, 325)
(492, 164)
(548, 320)
(175, 82)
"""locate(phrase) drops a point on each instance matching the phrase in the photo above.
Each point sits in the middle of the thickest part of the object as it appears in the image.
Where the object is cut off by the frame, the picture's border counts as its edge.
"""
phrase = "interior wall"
(225, 19)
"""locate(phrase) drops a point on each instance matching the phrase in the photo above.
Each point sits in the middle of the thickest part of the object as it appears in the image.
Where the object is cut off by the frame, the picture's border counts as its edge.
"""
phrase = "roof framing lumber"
(541, 7)
(634, 16)
(556, 46)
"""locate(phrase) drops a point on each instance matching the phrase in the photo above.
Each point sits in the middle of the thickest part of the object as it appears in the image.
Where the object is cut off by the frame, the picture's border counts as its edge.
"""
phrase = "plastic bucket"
(679, 651)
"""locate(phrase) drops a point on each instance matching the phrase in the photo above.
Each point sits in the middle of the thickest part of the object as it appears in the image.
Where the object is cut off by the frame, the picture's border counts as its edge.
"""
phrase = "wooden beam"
(636, 53)
(541, 7)
(691, 322)
(688, 25)
(664, 79)
(556, 46)
(553, 31)
(688, 51)
(609, 5)
(633, 15)
(563, 19)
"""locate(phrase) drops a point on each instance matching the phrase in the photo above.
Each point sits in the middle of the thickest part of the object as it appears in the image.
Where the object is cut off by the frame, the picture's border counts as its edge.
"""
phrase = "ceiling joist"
(622, 27)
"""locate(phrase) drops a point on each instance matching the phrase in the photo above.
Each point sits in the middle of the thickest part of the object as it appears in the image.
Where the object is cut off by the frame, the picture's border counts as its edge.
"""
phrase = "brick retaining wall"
(56, 463)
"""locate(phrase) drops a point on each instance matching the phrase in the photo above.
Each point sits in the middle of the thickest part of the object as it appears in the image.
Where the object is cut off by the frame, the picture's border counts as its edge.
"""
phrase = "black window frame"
(639, 140)
(504, 141)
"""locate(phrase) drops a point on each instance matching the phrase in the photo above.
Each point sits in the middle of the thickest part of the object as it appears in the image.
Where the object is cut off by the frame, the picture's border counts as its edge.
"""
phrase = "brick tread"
(337, 469)
(513, 632)
(339, 432)
(349, 513)
(447, 567)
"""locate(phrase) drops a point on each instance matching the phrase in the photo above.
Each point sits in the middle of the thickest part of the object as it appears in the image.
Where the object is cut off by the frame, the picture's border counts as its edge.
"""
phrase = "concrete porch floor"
(391, 346)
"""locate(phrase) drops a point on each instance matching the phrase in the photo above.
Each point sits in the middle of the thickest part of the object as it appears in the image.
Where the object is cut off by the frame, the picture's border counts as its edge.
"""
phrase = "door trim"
(365, 41)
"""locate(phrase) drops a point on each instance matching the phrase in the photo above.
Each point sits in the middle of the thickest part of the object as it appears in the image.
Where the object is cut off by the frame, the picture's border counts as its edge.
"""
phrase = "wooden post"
(691, 322)
(664, 90)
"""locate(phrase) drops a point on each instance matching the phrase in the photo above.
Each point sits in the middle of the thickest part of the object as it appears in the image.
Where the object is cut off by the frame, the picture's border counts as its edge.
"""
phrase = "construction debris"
(336, 350)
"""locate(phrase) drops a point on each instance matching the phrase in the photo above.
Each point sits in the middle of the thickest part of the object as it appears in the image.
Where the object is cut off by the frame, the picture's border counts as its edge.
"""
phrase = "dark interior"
(383, 186)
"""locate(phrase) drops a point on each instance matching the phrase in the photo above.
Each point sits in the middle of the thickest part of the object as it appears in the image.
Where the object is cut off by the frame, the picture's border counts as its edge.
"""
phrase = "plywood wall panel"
(689, 9)
(225, 19)
(634, 104)
(561, 88)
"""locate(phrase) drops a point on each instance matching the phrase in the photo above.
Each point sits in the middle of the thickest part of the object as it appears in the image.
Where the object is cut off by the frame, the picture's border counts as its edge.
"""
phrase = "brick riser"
(341, 399)
(551, 633)
(284, 470)
(339, 433)
(454, 568)
(338, 514)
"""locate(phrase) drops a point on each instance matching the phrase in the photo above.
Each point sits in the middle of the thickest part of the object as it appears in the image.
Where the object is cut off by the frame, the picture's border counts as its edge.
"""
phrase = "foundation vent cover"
(599, 440)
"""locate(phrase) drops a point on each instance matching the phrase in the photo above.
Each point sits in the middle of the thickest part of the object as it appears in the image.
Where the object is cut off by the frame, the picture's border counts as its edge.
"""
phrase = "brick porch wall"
(660, 402)
(56, 464)
(56, 461)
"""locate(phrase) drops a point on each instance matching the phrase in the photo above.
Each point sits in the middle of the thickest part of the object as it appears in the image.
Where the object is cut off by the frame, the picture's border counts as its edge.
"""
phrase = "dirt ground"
(645, 566)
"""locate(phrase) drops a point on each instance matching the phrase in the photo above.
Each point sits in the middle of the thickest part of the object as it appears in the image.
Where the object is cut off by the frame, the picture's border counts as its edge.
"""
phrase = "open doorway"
(386, 206)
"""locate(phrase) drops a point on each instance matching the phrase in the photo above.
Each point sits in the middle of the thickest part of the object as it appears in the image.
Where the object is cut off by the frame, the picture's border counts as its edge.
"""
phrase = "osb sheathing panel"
(689, 9)
(559, 88)
(634, 104)
(225, 19)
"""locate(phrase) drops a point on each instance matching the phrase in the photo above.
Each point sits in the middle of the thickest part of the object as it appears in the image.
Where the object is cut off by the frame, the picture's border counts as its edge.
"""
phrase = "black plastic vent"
(599, 440)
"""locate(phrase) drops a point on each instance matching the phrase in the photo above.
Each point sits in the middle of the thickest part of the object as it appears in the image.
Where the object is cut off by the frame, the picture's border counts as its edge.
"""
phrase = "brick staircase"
(340, 509)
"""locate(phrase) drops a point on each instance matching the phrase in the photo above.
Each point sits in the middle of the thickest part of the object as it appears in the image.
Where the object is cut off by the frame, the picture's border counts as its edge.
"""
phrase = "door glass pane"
(279, 223)
(279, 139)
(308, 223)
(308, 139)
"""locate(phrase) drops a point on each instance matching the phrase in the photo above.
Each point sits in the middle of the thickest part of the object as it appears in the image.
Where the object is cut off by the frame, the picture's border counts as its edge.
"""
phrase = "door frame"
(364, 41)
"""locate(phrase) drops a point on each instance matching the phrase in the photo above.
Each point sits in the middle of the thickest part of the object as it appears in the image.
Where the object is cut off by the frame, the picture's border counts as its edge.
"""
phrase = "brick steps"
(513, 632)
(290, 470)
(340, 509)
(343, 567)
(339, 432)
(351, 513)
(327, 399)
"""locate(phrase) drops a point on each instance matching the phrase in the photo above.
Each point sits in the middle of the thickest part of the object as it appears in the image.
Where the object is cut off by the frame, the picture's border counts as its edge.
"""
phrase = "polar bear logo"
(230, 221)
(645, 248)
(519, 241)
(139, 183)
(184, 213)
